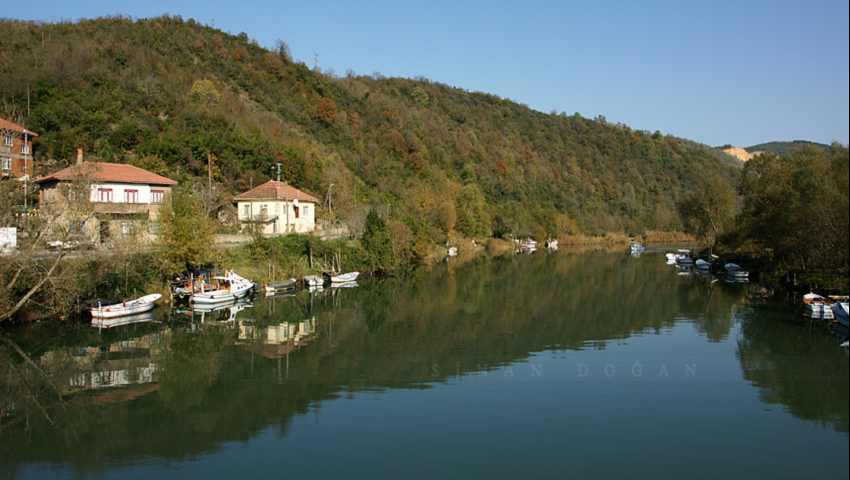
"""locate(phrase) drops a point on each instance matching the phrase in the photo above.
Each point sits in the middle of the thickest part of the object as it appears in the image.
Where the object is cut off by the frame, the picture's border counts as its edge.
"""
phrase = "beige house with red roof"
(15, 150)
(277, 208)
(123, 200)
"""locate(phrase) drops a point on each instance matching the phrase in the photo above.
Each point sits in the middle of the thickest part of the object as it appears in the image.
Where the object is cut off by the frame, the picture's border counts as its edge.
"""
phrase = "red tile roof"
(7, 125)
(108, 172)
(272, 190)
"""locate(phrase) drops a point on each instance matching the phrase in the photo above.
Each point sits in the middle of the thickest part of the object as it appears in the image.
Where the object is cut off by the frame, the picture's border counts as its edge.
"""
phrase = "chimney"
(79, 156)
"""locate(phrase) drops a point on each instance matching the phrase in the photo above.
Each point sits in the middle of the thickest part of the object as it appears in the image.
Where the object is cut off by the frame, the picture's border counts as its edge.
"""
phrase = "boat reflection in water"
(221, 312)
(121, 321)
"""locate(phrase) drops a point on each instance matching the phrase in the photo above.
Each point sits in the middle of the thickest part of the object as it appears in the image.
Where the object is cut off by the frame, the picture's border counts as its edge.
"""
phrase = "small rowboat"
(735, 271)
(127, 307)
(345, 277)
(280, 286)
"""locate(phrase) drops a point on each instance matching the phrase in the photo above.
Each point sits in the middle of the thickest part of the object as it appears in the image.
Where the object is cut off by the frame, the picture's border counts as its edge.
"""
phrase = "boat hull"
(345, 278)
(133, 307)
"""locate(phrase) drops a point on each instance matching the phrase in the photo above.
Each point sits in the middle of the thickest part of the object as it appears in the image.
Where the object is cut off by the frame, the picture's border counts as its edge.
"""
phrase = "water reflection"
(182, 385)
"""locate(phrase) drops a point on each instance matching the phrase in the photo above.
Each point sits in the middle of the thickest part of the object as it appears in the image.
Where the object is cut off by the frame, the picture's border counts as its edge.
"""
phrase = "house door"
(104, 232)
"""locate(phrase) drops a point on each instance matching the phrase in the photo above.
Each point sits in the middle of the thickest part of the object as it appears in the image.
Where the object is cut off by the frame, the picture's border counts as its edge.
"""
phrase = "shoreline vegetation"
(123, 273)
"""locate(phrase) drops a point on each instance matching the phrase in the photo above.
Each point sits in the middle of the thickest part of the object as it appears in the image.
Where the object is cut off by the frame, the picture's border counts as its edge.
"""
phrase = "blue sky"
(737, 72)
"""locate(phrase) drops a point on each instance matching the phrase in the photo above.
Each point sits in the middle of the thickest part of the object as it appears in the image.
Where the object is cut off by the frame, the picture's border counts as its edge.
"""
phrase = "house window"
(126, 227)
(264, 211)
(296, 211)
(78, 227)
(157, 196)
(25, 149)
(8, 140)
(247, 211)
(306, 210)
(131, 196)
(7, 163)
(105, 194)
(72, 195)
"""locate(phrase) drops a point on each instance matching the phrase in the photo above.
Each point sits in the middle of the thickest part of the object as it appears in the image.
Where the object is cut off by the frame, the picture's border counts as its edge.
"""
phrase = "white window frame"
(9, 141)
(25, 149)
(7, 162)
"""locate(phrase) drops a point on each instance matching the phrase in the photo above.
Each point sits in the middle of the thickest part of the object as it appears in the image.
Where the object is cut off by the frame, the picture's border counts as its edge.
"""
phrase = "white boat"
(280, 286)
(345, 277)
(817, 307)
(683, 258)
(840, 312)
(735, 271)
(313, 281)
(452, 251)
(233, 287)
(636, 247)
(121, 321)
(127, 307)
(350, 284)
(528, 244)
(671, 258)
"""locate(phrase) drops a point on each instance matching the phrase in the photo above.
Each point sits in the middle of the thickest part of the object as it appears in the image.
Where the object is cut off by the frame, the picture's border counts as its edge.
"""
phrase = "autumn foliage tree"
(326, 111)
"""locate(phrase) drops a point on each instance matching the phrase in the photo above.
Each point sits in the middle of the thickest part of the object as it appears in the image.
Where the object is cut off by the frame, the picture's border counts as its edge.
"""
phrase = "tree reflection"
(286, 356)
(795, 367)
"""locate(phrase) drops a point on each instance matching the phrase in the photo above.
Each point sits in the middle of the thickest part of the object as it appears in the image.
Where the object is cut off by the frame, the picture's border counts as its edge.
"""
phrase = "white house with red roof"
(123, 200)
(277, 208)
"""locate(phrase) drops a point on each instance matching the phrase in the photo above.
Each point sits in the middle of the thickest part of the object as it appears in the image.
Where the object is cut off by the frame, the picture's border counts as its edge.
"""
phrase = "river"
(585, 365)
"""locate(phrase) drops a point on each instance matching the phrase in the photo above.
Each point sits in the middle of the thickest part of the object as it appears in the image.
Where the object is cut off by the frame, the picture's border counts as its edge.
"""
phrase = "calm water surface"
(552, 364)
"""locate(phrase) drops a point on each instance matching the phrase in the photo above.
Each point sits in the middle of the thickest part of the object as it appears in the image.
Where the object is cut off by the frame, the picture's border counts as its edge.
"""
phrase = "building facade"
(277, 208)
(16, 160)
(105, 202)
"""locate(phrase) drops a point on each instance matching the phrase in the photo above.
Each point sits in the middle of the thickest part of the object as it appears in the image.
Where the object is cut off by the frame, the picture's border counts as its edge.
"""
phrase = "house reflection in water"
(277, 340)
(122, 363)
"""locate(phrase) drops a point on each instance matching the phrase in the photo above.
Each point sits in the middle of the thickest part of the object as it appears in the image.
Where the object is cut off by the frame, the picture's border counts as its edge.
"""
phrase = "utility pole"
(277, 197)
(330, 205)
(26, 169)
(209, 174)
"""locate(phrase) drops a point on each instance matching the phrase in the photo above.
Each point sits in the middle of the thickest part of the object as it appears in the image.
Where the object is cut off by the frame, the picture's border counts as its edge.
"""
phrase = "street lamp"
(330, 208)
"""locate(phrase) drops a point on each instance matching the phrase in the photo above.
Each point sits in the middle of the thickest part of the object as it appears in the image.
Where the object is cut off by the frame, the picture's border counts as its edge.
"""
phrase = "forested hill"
(783, 148)
(167, 94)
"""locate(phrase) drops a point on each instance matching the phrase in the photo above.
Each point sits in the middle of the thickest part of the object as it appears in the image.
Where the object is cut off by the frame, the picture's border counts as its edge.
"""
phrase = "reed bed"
(657, 237)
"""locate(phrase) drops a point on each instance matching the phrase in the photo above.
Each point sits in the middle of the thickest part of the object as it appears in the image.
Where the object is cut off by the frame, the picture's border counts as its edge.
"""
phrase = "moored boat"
(313, 281)
(818, 307)
(345, 277)
(702, 264)
(126, 307)
(683, 258)
(281, 285)
(735, 271)
(840, 312)
(234, 287)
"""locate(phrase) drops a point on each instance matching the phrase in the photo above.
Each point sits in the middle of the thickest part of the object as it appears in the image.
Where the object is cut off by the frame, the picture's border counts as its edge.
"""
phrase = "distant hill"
(783, 148)
(173, 96)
